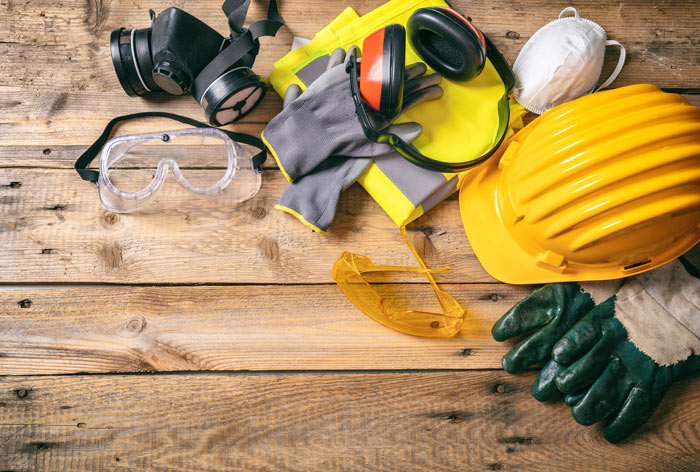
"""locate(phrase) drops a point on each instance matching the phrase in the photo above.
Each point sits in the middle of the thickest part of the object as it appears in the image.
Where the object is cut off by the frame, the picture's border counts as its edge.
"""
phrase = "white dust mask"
(562, 61)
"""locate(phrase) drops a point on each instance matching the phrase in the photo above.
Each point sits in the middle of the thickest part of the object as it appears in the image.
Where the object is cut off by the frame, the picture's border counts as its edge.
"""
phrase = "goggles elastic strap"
(89, 155)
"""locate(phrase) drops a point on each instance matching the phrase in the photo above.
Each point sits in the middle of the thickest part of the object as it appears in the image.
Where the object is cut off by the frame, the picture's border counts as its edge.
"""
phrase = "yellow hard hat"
(599, 188)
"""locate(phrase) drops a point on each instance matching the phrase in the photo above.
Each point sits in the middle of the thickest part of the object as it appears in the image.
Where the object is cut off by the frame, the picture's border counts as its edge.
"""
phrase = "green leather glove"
(623, 356)
(628, 341)
(545, 315)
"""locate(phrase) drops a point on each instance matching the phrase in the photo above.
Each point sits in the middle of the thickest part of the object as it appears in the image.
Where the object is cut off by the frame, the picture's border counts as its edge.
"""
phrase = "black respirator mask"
(180, 54)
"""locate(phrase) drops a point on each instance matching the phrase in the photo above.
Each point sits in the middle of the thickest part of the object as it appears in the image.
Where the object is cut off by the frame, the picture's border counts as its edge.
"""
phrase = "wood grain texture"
(326, 422)
(54, 229)
(132, 329)
(32, 135)
(57, 91)
(58, 86)
(49, 43)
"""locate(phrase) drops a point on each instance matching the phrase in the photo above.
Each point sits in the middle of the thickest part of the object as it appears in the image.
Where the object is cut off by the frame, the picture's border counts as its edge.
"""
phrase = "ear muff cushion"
(394, 67)
(446, 42)
(382, 69)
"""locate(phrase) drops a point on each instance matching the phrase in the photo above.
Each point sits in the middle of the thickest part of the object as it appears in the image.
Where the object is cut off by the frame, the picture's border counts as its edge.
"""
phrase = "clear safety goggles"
(204, 161)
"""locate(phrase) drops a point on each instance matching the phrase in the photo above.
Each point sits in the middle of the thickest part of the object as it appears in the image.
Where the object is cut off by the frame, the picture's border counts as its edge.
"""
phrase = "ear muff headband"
(382, 71)
(467, 21)
(410, 152)
(447, 42)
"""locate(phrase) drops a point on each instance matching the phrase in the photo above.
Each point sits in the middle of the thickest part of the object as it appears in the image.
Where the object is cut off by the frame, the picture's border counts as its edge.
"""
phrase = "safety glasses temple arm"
(387, 268)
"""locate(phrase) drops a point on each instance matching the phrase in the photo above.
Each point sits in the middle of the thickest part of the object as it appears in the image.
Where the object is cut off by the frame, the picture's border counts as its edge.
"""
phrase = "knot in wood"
(109, 219)
(26, 303)
(259, 213)
(135, 325)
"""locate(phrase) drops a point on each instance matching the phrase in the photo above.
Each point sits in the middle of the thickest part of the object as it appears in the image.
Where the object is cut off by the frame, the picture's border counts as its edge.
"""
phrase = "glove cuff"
(300, 217)
(273, 151)
(660, 310)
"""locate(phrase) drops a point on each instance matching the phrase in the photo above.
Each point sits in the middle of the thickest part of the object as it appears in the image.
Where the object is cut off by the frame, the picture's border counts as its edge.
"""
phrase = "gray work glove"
(313, 198)
(322, 122)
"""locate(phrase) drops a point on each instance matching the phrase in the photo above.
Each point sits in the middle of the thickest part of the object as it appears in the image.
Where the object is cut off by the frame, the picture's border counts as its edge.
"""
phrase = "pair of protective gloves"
(613, 349)
(319, 144)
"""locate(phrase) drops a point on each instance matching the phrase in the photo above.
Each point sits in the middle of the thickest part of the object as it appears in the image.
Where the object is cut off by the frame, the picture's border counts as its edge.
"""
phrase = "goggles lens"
(203, 161)
(389, 307)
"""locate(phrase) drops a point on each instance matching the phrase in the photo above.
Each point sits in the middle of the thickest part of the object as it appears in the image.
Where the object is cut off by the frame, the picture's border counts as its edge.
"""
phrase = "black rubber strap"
(243, 41)
(91, 175)
(500, 64)
(236, 11)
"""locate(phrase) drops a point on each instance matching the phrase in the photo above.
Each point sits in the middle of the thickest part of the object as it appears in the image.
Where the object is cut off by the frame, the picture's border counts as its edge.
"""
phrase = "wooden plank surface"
(331, 422)
(42, 35)
(55, 230)
(249, 289)
(132, 329)
(58, 87)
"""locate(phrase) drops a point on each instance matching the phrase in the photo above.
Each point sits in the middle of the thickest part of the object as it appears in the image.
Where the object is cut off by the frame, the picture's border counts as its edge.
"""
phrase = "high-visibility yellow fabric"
(460, 126)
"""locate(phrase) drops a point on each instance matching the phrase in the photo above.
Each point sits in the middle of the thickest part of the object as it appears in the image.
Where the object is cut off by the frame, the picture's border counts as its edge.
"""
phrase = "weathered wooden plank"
(48, 118)
(49, 44)
(325, 422)
(35, 134)
(129, 329)
(54, 229)
(57, 86)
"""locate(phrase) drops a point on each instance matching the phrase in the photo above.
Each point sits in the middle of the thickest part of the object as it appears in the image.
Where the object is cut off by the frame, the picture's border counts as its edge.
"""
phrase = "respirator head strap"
(245, 42)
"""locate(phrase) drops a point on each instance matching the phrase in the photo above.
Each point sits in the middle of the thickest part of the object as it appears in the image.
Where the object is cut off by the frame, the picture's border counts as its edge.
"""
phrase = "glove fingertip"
(510, 365)
(417, 68)
(580, 418)
(544, 386)
(571, 399)
(614, 437)
(542, 393)
(563, 382)
(560, 352)
(497, 333)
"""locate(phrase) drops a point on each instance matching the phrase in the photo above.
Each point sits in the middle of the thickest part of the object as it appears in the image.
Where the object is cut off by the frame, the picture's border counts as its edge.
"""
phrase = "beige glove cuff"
(660, 310)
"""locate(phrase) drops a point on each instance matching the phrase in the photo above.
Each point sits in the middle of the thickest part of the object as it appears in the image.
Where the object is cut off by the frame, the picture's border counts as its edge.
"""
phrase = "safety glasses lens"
(401, 307)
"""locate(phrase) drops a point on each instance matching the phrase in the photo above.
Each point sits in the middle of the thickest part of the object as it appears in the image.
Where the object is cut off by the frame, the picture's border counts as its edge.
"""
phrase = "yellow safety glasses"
(350, 271)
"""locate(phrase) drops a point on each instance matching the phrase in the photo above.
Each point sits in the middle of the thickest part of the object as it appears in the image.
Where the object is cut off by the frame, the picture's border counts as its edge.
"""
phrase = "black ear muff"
(232, 95)
(382, 69)
(447, 42)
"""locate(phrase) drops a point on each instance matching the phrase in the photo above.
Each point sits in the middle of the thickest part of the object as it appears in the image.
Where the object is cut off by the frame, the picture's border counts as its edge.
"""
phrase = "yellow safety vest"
(463, 123)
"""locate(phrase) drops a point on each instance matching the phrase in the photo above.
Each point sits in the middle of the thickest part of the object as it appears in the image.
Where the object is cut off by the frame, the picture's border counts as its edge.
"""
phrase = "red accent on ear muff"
(447, 42)
(371, 69)
(382, 69)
